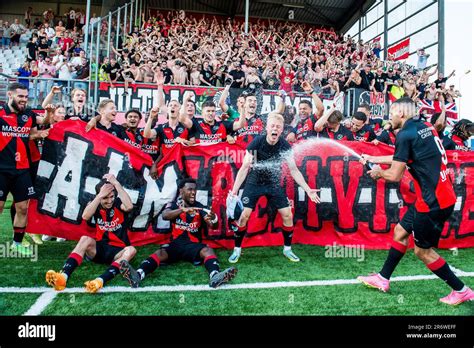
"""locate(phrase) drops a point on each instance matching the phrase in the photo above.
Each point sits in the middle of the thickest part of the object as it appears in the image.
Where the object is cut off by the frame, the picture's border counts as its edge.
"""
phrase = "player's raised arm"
(183, 118)
(299, 179)
(91, 208)
(149, 132)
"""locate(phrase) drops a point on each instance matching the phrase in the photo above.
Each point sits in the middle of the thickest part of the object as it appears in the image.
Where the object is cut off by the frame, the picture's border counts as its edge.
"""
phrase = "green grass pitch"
(257, 265)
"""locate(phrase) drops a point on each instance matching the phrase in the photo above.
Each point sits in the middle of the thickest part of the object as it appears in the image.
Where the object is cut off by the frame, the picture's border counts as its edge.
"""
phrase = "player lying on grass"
(188, 218)
(111, 245)
(262, 165)
(419, 148)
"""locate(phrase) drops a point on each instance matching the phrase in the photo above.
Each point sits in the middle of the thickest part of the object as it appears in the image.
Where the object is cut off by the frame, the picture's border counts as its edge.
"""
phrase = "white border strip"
(42, 302)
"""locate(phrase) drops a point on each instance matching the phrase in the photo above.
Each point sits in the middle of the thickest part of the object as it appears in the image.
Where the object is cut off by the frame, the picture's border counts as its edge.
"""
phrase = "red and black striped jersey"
(188, 226)
(134, 138)
(207, 134)
(112, 225)
(455, 143)
(387, 137)
(165, 135)
(376, 124)
(366, 133)
(150, 146)
(253, 127)
(342, 133)
(305, 128)
(419, 146)
(15, 131)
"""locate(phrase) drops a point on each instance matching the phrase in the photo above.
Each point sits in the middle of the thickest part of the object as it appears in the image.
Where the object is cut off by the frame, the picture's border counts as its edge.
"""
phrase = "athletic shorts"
(18, 183)
(184, 250)
(427, 227)
(105, 253)
(276, 196)
(407, 220)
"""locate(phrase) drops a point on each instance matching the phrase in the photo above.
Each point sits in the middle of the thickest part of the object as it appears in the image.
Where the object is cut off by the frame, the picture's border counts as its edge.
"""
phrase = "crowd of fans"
(204, 51)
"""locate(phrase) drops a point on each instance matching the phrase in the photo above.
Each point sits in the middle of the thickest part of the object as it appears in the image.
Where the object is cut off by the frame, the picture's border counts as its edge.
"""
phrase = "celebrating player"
(111, 244)
(265, 154)
(419, 147)
(18, 127)
(188, 218)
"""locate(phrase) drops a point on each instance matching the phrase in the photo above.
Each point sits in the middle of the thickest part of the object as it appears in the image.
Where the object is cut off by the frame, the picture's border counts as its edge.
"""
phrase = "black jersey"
(134, 138)
(114, 129)
(253, 127)
(267, 168)
(366, 133)
(454, 142)
(112, 225)
(376, 124)
(15, 131)
(188, 226)
(342, 133)
(207, 134)
(418, 146)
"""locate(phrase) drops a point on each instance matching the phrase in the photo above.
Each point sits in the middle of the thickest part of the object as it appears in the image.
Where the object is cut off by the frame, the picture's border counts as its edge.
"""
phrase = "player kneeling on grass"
(109, 209)
(187, 220)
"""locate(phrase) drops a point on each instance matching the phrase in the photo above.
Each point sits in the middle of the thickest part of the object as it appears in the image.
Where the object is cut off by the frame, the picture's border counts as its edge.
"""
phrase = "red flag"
(401, 50)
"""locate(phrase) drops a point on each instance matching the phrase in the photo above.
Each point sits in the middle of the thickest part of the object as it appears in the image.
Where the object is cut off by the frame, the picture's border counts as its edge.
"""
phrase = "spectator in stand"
(28, 12)
(24, 71)
(60, 29)
(422, 59)
(70, 18)
(66, 43)
(42, 47)
(17, 30)
(31, 48)
(46, 71)
(441, 79)
(113, 71)
(50, 33)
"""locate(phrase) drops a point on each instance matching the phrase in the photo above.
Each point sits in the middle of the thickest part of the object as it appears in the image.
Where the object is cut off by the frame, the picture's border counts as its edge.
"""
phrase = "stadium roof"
(338, 14)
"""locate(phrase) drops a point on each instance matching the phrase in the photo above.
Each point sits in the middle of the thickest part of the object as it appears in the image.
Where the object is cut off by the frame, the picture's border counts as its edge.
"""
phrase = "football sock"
(71, 263)
(149, 265)
(287, 235)
(395, 254)
(212, 264)
(18, 234)
(442, 270)
(110, 272)
(239, 236)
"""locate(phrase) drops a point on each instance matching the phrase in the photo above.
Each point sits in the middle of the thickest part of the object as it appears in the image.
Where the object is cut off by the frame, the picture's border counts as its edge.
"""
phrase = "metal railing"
(40, 87)
(97, 44)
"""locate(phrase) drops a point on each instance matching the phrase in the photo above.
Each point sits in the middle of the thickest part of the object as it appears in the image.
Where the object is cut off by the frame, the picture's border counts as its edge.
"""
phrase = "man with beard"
(262, 165)
(188, 218)
(18, 127)
(105, 120)
(207, 130)
(309, 124)
(419, 148)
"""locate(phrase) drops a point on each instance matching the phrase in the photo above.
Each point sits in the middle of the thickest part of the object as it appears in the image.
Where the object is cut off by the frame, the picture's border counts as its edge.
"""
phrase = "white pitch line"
(267, 285)
(461, 273)
(42, 302)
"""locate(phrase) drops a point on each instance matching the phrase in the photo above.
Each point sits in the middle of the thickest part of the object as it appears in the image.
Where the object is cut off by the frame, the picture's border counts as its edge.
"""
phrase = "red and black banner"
(355, 210)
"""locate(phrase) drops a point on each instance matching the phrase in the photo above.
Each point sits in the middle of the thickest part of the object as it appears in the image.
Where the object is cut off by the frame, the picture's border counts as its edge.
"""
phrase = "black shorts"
(185, 250)
(105, 253)
(18, 183)
(407, 220)
(427, 227)
(276, 196)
